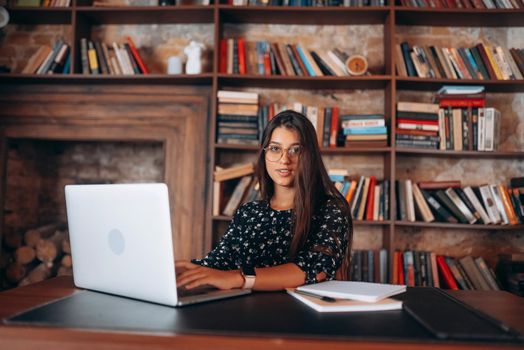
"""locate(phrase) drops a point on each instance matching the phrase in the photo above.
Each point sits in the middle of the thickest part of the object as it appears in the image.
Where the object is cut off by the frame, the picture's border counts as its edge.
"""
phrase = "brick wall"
(37, 172)
(157, 42)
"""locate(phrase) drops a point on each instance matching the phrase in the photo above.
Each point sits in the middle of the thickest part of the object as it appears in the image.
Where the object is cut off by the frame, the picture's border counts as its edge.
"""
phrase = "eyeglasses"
(274, 153)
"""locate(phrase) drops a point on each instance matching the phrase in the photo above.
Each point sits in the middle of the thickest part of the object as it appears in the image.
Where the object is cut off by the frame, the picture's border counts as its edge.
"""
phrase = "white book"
(297, 107)
(332, 65)
(338, 62)
(499, 204)
(119, 58)
(362, 291)
(344, 305)
(410, 203)
(476, 204)
(412, 126)
(312, 115)
(127, 60)
(489, 129)
(426, 213)
(481, 129)
(237, 94)
(489, 204)
(342, 172)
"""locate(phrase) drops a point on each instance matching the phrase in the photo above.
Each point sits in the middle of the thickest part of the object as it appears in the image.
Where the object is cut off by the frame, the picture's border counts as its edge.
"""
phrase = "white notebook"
(362, 291)
(344, 305)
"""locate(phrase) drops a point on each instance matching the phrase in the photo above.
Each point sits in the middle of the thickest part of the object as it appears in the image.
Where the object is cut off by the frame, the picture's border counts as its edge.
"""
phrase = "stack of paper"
(349, 296)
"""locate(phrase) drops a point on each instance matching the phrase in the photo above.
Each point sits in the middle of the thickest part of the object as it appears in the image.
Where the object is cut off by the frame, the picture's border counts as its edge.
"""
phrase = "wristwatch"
(249, 275)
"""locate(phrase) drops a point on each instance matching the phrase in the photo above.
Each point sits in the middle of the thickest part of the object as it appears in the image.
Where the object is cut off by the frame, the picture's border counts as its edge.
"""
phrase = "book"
(362, 291)
(237, 196)
(473, 273)
(344, 305)
(234, 172)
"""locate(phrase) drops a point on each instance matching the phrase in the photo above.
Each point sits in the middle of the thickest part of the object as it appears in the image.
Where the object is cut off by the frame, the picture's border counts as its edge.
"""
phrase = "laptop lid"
(121, 240)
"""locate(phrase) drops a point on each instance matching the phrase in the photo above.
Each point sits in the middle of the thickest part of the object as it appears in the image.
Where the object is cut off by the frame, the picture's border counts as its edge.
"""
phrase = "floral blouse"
(260, 236)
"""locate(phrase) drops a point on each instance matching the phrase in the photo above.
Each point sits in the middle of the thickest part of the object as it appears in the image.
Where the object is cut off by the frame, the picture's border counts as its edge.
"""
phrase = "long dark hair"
(313, 185)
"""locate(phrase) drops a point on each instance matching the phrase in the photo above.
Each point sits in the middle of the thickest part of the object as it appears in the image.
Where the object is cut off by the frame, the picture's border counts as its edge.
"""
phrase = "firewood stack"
(38, 254)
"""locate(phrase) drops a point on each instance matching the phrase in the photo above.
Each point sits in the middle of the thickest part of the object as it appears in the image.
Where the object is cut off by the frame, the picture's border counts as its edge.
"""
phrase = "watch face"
(357, 65)
(249, 271)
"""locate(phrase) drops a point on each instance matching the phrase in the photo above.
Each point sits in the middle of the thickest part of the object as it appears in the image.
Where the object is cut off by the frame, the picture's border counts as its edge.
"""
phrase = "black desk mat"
(273, 314)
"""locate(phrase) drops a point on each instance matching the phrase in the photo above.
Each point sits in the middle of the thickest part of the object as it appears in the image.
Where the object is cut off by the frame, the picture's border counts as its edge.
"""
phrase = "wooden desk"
(502, 305)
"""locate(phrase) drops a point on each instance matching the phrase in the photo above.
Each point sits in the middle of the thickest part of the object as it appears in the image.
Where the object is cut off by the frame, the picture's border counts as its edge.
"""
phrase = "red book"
(267, 63)
(394, 272)
(462, 103)
(334, 127)
(271, 111)
(137, 57)
(371, 198)
(416, 132)
(241, 56)
(446, 273)
(223, 56)
(417, 121)
(400, 262)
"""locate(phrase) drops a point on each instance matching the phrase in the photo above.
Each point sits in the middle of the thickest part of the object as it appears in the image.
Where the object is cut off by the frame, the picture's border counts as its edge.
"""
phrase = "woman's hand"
(192, 275)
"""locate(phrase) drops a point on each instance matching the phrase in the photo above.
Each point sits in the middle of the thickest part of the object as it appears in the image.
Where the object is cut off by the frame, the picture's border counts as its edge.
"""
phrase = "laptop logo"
(116, 241)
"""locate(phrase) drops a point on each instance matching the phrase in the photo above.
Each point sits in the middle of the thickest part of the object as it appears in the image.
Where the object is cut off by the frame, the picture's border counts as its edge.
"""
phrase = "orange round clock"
(357, 65)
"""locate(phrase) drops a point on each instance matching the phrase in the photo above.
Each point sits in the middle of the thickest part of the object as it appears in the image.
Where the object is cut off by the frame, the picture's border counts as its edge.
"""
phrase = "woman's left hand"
(192, 275)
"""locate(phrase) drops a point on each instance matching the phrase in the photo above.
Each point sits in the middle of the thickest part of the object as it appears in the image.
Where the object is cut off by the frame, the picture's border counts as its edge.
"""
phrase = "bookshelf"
(81, 16)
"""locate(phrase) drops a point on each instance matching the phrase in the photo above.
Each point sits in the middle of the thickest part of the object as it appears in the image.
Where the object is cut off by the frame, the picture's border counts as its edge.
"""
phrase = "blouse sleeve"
(225, 255)
(326, 245)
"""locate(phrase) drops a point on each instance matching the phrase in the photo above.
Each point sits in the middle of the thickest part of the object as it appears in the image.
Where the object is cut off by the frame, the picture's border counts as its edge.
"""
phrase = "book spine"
(136, 56)
(410, 67)
(446, 273)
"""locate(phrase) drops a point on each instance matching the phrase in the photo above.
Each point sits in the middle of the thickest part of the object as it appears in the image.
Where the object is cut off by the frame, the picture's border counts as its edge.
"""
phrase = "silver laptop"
(121, 243)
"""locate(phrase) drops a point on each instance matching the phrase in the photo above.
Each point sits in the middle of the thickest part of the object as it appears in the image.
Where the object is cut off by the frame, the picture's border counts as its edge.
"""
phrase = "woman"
(300, 232)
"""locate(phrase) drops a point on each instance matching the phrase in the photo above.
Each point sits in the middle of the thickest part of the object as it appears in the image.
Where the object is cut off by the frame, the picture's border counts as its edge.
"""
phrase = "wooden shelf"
(348, 150)
(147, 14)
(304, 15)
(200, 79)
(355, 222)
(40, 15)
(434, 84)
(234, 147)
(371, 223)
(460, 226)
(306, 83)
(338, 150)
(458, 154)
(459, 17)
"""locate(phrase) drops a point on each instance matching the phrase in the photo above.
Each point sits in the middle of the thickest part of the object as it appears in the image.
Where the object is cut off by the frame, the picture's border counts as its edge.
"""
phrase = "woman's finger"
(207, 280)
(189, 279)
(188, 273)
(186, 264)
